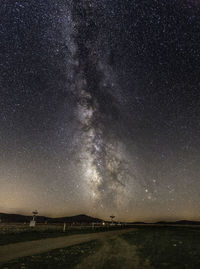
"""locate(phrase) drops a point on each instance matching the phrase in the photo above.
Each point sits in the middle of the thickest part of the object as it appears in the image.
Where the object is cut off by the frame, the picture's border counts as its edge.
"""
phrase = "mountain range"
(9, 218)
(4, 217)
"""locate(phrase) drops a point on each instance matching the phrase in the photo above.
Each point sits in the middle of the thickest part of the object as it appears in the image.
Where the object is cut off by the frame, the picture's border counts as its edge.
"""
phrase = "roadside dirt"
(115, 253)
(17, 250)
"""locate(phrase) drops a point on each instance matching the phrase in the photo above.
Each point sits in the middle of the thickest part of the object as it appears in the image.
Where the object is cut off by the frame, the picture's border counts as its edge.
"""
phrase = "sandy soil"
(17, 250)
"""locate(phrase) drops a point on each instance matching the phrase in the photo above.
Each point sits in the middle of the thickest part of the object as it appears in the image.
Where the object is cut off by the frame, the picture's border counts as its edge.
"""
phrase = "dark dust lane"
(18, 250)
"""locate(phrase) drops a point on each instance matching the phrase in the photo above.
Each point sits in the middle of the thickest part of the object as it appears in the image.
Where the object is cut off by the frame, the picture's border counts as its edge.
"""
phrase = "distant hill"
(78, 218)
(137, 222)
(74, 219)
(179, 222)
(4, 217)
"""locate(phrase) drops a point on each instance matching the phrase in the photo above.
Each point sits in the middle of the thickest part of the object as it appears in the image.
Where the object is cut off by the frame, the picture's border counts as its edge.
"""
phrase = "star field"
(100, 108)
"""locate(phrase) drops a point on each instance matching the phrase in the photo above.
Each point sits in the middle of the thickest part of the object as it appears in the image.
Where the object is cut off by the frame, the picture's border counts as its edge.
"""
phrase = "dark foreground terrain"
(167, 247)
(142, 248)
(23, 233)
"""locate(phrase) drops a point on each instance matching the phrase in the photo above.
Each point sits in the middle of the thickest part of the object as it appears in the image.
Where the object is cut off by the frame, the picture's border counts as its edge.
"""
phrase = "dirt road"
(17, 250)
(115, 253)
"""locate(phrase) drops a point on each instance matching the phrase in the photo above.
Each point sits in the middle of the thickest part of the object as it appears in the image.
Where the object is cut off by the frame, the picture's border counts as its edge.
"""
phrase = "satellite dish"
(35, 212)
(112, 217)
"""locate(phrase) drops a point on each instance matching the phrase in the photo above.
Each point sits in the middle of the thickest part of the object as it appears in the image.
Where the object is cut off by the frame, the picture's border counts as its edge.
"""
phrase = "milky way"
(100, 108)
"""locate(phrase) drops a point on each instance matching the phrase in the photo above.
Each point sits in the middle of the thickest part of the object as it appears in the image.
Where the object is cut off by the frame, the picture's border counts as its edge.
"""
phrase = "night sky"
(100, 108)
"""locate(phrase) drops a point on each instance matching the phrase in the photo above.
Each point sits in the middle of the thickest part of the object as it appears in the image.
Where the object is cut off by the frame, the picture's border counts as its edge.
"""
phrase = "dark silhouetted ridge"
(74, 219)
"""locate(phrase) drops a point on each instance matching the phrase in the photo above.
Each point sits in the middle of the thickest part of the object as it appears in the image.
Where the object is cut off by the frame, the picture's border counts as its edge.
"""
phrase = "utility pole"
(64, 227)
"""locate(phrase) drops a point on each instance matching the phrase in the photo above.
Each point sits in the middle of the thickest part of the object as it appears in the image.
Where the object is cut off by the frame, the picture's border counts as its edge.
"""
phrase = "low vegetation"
(167, 247)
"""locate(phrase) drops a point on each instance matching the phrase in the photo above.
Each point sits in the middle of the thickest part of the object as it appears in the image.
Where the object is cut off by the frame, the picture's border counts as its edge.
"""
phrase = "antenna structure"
(112, 218)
